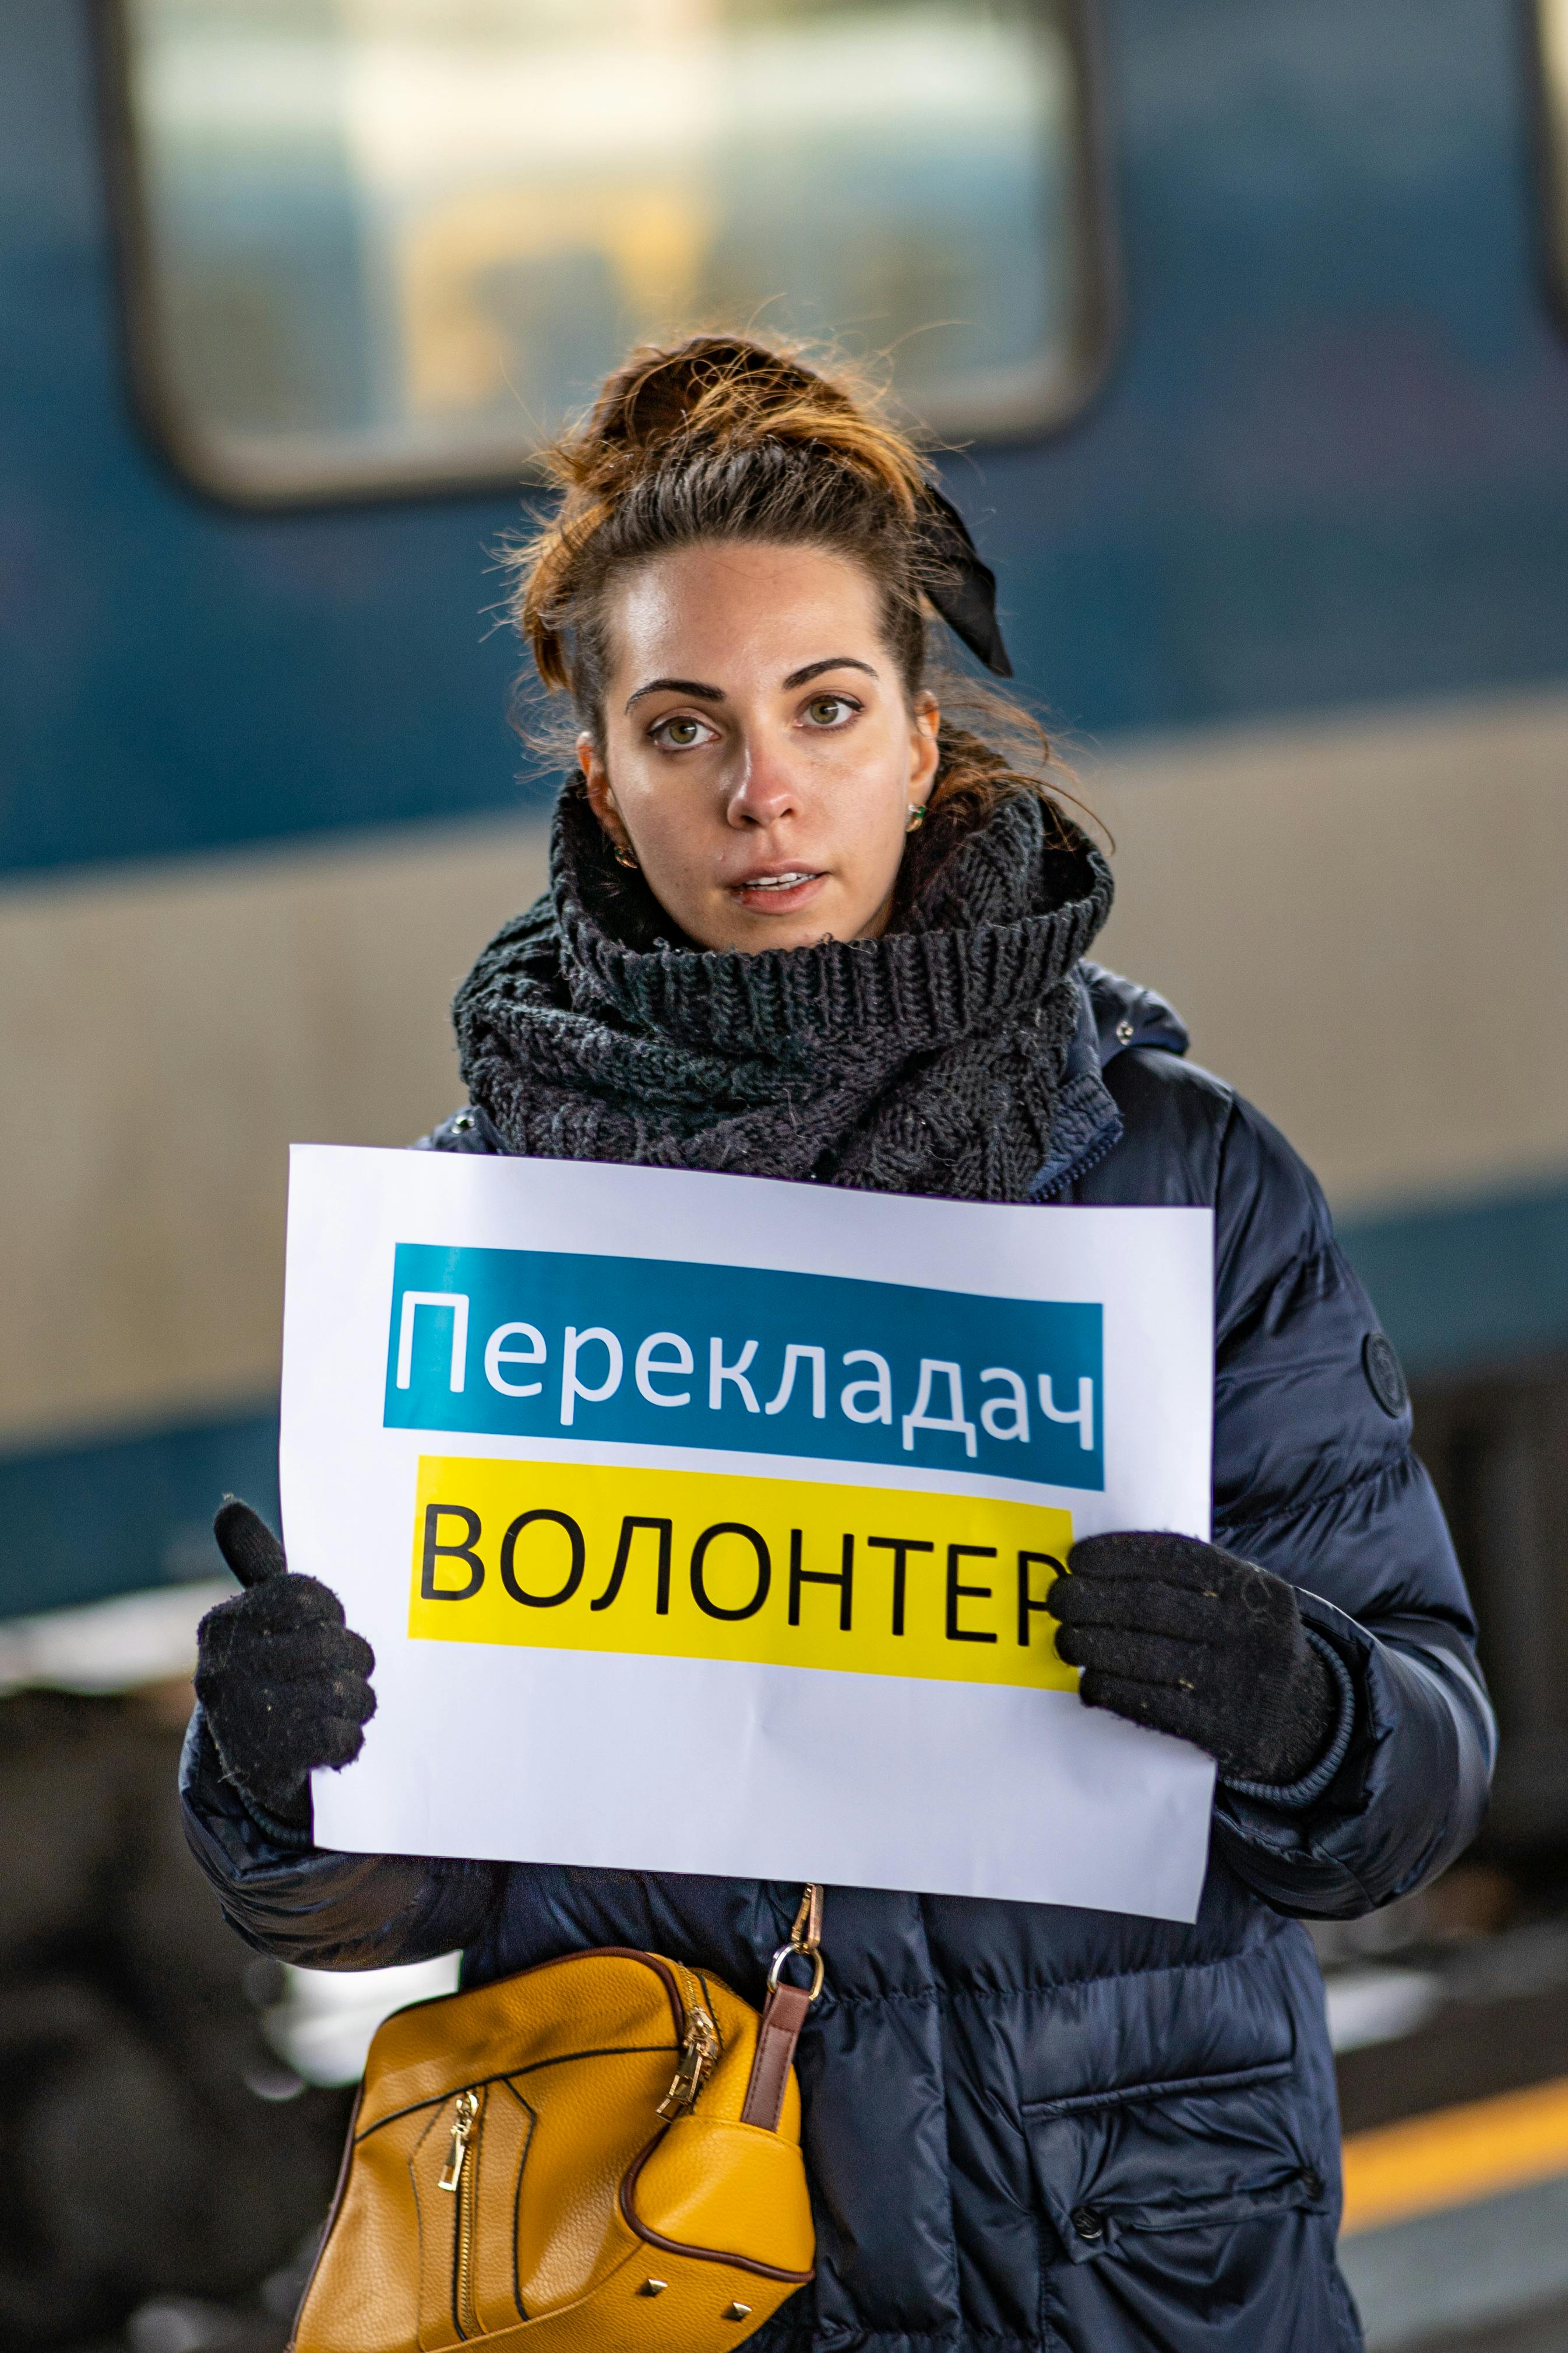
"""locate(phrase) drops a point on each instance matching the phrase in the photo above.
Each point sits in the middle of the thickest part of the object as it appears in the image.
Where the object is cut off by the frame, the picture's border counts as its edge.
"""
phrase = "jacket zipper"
(460, 2178)
(1078, 1169)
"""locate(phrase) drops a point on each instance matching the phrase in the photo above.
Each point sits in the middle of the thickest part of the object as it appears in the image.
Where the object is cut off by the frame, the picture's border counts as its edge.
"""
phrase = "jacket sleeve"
(1315, 1477)
(318, 1909)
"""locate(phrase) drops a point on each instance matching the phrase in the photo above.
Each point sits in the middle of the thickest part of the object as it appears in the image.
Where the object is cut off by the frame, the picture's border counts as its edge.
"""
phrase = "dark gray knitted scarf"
(929, 1061)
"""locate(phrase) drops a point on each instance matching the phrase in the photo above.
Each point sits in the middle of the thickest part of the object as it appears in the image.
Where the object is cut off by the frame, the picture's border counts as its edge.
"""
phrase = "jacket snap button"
(1384, 1373)
(1086, 2224)
(463, 1122)
(1312, 2183)
(1124, 1031)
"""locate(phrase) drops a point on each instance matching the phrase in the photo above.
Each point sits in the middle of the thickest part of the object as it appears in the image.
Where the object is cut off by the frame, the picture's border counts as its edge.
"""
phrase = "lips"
(782, 893)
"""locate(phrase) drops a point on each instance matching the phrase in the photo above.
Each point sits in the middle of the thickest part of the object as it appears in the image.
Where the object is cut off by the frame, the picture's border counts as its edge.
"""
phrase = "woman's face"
(761, 761)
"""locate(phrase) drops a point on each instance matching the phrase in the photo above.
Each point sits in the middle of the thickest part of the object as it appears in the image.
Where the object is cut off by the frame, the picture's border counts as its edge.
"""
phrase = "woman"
(802, 924)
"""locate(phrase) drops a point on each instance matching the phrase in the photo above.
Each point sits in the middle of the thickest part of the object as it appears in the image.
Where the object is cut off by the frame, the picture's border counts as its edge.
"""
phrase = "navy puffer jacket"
(1028, 2126)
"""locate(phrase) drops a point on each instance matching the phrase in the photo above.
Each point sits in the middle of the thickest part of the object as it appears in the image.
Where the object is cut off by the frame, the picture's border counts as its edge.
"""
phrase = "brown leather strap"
(782, 2018)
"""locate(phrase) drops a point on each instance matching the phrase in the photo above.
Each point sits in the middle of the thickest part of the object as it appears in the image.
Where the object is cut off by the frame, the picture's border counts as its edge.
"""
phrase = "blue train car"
(1241, 323)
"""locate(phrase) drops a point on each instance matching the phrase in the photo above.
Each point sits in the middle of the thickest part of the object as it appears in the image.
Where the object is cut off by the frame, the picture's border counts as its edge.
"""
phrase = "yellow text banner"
(701, 1564)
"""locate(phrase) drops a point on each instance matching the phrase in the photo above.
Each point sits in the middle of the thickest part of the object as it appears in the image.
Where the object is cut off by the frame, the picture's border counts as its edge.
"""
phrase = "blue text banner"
(655, 1352)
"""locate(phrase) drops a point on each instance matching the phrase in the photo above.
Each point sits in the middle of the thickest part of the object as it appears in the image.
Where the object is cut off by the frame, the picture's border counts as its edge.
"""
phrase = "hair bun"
(705, 384)
(717, 391)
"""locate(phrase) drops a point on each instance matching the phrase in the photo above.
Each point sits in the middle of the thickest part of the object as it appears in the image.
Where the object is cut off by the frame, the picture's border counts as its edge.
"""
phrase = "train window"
(381, 243)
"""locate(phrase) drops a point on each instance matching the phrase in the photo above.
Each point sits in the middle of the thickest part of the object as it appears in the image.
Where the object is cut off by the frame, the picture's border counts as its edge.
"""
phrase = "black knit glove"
(1182, 1637)
(283, 1683)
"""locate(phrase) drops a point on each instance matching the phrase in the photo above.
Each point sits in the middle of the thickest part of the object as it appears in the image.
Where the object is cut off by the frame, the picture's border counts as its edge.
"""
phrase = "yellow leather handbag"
(523, 2171)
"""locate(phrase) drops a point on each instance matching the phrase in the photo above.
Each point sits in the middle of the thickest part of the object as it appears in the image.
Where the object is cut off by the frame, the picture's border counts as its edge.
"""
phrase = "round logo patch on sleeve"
(1384, 1373)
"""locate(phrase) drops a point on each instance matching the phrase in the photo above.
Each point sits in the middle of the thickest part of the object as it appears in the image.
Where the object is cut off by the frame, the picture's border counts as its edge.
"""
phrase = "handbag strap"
(783, 2015)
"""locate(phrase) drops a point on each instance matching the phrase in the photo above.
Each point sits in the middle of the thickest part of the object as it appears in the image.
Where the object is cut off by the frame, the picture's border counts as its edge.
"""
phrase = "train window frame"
(1548, 75)
(202, 463)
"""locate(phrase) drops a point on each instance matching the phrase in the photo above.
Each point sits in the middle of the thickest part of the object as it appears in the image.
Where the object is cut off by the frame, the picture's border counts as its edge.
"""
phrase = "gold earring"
(917, 817)
(625, 857)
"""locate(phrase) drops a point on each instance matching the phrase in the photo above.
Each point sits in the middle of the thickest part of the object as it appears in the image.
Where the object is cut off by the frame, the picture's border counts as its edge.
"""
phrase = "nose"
(764, 791)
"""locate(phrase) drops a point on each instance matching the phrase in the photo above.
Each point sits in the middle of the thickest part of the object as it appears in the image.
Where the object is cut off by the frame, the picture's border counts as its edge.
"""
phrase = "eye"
(831, 710)
(682, 732)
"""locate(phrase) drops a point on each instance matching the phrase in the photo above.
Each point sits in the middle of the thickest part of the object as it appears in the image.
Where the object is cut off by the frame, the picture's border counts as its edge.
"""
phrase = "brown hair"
(721, 438)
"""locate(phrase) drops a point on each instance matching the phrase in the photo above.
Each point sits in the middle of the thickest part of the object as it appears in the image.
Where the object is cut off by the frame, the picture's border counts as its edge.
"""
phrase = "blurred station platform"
(1450, 2016)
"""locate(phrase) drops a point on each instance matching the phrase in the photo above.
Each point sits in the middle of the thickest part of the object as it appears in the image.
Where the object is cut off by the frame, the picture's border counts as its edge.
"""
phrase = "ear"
(925, 749)
(601, 799)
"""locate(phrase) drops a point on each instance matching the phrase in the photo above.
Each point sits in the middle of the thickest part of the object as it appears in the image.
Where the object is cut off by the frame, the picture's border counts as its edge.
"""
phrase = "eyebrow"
(716, 693)
(834, 662)
(676, 686)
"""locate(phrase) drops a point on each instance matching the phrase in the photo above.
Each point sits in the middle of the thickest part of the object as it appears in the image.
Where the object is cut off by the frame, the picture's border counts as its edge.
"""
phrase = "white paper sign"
(699, 1523)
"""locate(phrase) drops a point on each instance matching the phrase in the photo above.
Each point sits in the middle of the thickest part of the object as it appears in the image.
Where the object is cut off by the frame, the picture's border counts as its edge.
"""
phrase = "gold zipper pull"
(806, 1934)
(462, 2132)
(697, 2053)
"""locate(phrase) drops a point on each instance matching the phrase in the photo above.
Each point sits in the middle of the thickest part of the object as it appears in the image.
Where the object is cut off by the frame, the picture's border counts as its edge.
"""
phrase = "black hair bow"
(962, 589)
